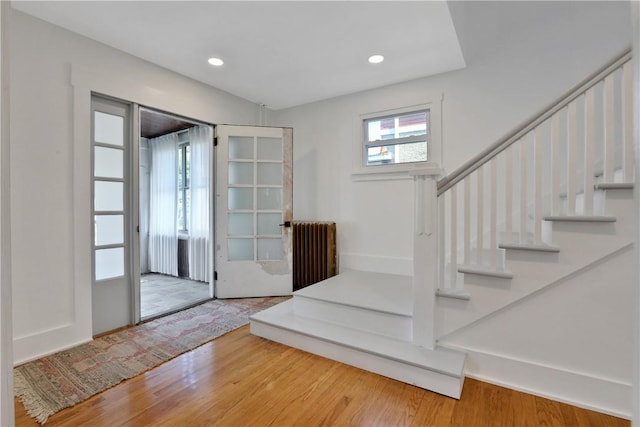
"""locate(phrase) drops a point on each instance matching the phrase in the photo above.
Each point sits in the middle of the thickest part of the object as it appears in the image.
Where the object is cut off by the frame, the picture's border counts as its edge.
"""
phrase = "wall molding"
(580, 389)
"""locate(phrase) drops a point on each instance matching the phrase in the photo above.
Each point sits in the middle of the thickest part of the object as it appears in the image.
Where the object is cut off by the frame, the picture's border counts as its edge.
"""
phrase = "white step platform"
(356, 318)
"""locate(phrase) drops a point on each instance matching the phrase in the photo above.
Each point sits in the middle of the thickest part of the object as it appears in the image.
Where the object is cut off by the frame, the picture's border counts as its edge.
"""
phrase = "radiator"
(314, 252)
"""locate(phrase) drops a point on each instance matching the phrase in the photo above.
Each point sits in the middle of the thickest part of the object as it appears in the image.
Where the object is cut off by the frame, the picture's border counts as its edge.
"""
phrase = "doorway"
(175, 158)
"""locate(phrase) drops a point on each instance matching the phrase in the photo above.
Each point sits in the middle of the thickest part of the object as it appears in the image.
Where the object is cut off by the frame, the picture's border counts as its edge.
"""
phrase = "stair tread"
(614, 186)
(540, 247)
(441, 360)
(458, 294)
(580, 218)
(472, 269)
(388, 293)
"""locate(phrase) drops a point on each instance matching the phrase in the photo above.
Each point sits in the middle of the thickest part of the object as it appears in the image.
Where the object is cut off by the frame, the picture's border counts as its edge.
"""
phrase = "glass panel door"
(111, 285)
(254, 203)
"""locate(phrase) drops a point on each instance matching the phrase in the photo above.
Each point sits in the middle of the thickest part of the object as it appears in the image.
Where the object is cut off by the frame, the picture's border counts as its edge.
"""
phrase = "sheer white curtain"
(200, 141)
(163, 230)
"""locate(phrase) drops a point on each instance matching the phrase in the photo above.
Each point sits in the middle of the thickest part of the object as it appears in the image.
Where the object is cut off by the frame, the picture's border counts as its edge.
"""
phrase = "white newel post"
(425, 256)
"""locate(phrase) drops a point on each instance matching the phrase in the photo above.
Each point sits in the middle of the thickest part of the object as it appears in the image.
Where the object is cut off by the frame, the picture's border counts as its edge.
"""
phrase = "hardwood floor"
(242, 380)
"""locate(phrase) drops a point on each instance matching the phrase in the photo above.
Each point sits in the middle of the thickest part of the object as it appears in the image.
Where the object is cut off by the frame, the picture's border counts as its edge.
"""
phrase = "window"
(393, 142)
(184, 175)
(396, 139)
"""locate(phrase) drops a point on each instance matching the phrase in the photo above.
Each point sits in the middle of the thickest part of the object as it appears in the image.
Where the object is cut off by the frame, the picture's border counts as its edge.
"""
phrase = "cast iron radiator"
(314, 252)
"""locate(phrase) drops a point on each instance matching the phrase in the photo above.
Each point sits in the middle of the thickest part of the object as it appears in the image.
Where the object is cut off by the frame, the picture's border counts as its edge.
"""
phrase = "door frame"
(135, 203)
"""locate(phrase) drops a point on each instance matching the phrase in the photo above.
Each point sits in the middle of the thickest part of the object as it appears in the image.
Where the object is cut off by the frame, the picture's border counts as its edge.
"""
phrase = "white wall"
(52, 72)
(635, 17)
(515, 68)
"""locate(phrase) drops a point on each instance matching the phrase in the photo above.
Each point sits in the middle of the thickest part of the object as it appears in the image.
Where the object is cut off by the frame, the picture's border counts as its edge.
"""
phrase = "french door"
(111, 145)
(254, 210)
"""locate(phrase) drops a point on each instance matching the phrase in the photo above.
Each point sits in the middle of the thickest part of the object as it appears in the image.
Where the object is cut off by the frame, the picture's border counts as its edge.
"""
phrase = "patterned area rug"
(47, 385)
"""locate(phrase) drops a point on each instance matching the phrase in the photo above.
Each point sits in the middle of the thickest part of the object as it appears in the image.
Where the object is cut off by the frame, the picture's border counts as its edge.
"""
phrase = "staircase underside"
(362, 319)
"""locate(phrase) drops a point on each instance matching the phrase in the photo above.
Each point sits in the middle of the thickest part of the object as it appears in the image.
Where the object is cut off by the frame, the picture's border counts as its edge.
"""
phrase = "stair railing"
(548, 166)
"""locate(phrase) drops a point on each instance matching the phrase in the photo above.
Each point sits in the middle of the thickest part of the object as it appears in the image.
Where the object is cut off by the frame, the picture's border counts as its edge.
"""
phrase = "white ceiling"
(281, 54)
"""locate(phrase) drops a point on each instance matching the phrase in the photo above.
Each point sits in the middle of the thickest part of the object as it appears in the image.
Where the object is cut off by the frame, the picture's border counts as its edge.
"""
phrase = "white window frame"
(182, 151)
(397, 170)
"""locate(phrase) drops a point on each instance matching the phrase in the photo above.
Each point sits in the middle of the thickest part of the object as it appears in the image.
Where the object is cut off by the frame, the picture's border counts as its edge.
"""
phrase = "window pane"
(181, 213)
(240, 173)
(269, 249)
(269, 173)
(240, 249)
(180, 167)
(240, 224)
(108, 196)
(108, 162)
(240, 198)
(109, 263)
(270, 149)
(187, 166)
(108, 129)
(241, 147)
(270, 198)
(398, 153)
(109, 229)
(414, 152)
(269, 224)
(400, 126)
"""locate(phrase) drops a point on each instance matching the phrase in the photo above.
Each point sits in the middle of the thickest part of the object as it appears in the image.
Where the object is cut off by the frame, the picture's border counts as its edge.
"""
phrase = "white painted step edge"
(353, 305)
(529, 247)
(614, 186)
(443, 361)
(580, 218)
(470, 269)
(449, 293)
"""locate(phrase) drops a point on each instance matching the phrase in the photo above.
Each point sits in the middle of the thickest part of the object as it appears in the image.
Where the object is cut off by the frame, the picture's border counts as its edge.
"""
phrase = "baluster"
(467, 220)
(627, 120)
(572, 138)
(454, 237)
(554, 143)
(480, 216)
(537, 140)
(442, 223)
(523, 189)
(508, 193)
(589, 141)
(609, 130)
(493, 246)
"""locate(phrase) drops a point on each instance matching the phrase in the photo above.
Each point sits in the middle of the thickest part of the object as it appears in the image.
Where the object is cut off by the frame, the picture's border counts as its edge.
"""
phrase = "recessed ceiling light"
(215, 61)
(376, 59)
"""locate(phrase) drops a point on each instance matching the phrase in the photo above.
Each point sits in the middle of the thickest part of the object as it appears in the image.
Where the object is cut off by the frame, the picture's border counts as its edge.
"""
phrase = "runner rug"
(47, 385)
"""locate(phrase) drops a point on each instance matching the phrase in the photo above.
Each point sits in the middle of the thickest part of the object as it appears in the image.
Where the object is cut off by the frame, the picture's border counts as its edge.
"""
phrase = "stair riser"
(429, 380)
(377, 322)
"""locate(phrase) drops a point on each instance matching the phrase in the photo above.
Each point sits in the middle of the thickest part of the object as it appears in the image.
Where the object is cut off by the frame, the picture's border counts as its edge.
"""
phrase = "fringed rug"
(47, 385)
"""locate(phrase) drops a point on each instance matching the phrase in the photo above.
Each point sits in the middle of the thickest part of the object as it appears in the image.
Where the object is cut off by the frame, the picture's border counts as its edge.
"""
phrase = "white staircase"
(363, 319)
(545, 204)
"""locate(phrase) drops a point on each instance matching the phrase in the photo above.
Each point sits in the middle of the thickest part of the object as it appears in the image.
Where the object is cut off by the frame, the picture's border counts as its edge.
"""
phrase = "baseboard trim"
(34, 346)
(579, 389)
(376, 264)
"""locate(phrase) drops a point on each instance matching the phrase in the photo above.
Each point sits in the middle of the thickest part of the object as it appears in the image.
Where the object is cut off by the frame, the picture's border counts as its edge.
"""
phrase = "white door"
(111, 141)
(254, 210)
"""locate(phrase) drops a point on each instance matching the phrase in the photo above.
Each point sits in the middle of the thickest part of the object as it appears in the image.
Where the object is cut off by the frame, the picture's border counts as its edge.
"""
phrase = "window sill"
(404, 173)
(381, 176)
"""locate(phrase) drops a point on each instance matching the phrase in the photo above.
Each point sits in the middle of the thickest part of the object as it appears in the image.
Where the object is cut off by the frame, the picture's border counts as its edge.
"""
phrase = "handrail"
(490, 152)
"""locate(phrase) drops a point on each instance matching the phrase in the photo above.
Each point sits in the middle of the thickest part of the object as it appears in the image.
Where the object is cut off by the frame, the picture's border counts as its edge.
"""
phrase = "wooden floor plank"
(240, 379)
